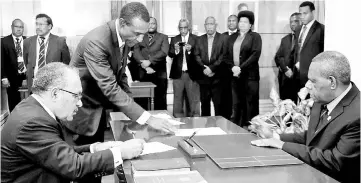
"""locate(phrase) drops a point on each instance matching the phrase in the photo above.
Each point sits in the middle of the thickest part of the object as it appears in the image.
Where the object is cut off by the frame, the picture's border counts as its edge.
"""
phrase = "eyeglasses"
(77, 96)
(39, 24)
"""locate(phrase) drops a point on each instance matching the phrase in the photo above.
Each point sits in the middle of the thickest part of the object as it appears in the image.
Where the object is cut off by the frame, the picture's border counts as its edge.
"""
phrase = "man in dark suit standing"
(310, 42)
(285, 74)
(43, 48)
(209, 56)
(184, 72)
(33, 147)
(12, 62)
(151, 54)
(332, 142)
(226, 102)
(101, 57)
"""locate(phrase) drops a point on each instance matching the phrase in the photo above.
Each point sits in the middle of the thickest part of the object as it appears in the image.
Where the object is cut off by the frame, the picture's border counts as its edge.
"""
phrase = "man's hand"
(188, 47)
(106, 145)
(132, 148)
(207, 71)
(5, 82)
(265, 133)
(149, 70)
(271, 142)
(177, 47)
(161, 124)
(236, 71)
(145, 63)
(289, 73)
(297, 65)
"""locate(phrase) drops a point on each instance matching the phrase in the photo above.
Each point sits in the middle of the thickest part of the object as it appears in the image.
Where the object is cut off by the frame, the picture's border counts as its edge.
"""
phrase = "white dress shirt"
(46, 43)
(232, 32)
(184, 65)
(308, 27)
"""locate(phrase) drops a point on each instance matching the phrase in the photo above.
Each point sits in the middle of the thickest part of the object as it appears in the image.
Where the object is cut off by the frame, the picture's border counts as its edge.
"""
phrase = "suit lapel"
(310, 32)
(214, 44)
(32, 50)
(50, 49)
(205, 46)
(11, 43)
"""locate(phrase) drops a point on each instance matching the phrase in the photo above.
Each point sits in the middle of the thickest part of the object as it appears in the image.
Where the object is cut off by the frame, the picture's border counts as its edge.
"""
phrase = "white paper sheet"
(200, 131)
(166, 116)
(155, 147)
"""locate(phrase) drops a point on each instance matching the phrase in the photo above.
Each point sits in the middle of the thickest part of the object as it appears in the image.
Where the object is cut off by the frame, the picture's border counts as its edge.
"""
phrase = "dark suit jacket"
(104, 82)
(57, 51)
(177, 64)
(155, 51)
(312, 46)
(214, 63)
(33, 149)
(283, 54)
(335, 148)
(9, 62)
(248, 57)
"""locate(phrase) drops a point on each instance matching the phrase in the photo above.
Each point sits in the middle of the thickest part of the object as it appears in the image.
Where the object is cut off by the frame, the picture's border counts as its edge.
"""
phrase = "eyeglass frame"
(75, 95)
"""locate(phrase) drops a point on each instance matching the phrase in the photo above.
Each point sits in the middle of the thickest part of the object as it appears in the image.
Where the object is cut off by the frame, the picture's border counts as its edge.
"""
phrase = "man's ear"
(54, 94)
(122, 22)
(333, 82)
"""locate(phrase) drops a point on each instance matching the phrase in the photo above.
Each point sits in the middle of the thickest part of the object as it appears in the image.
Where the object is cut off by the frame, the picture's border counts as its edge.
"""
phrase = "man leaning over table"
(33, 146)
(332, 142)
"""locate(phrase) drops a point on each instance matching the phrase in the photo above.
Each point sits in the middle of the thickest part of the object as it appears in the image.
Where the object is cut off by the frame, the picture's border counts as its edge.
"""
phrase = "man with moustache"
(310, 42)
(43, 48)
(151, 54)
(184, 72)
(101, 57)
(209, 56)
(12, 62)
(33, 141)
(285, 74)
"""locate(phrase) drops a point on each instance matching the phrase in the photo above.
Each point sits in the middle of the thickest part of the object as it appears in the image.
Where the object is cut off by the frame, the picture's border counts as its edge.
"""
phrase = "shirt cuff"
(92, 150)
(3, 79)
(117, 155)
(143, 118)
(177, 52)
(276, 135)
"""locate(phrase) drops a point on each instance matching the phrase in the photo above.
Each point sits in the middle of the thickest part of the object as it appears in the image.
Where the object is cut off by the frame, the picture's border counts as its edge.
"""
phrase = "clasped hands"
(268, 139)
(145, 65)
(207, 71)
(236, 71)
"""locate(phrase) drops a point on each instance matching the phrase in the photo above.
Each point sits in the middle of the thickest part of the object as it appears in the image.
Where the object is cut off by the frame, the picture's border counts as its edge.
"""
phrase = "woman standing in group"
(241, 57)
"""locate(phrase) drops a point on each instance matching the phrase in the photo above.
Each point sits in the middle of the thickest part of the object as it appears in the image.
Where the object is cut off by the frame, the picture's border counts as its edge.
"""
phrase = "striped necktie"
(323, 117)
(300, 42)
(150, 38)
(41, 60)
(19, 53)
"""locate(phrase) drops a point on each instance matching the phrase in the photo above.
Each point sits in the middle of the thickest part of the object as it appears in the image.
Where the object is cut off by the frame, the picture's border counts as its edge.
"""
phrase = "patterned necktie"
(150, 38)
(210, 44)
(19, 53)
(323, 117)
(300, 42)
(41, 60)
(292, 41)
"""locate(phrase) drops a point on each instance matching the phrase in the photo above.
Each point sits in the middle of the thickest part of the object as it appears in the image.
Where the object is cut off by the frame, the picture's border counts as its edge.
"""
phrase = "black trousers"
(160, 92)
(245, 95)
(287, 87)
(212, 91)
(226, 102)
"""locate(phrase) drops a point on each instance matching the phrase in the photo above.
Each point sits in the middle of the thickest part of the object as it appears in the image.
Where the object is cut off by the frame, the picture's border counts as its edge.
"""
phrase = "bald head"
(17, 27)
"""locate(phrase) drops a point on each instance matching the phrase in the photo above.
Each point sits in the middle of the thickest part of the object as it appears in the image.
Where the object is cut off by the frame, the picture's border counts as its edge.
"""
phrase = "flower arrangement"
(287, 117)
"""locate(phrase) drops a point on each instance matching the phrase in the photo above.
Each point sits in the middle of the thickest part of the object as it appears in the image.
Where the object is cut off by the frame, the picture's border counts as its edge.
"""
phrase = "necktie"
(293, 41)
(210, 44)
(323, 117)
(19, 53)
(150, 38)
(41, 60)
(300, 42)
(184, 64)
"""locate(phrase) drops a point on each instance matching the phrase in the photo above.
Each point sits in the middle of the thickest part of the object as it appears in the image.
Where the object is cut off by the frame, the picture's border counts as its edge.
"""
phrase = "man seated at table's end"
(33, 147)
(332, 142)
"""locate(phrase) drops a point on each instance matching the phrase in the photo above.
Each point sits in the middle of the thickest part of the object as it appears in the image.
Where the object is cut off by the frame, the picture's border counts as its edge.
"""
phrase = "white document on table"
(155, 147)
(166, 116)
(200, 131)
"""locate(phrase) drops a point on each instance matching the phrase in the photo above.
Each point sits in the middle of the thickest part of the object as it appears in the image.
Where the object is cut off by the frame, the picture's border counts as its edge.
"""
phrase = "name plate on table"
(236, 151)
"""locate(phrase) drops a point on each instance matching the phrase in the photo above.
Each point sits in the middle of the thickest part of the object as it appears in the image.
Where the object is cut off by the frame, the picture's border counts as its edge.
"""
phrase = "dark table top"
(302, 173)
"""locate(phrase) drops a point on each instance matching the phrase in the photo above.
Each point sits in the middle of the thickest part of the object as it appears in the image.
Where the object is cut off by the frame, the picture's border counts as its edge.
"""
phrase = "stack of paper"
(159, 166)
(155, 147)
(173, 177)
(200, 131)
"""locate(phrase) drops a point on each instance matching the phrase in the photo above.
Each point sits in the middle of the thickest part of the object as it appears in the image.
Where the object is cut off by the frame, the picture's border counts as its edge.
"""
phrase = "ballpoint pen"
(188, 142)
(194, 133)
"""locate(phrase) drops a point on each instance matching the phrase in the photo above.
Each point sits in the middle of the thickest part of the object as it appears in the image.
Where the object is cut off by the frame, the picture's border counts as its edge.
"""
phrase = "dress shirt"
(309, 25)
(46, 43)
(146, 115)
(21, 42)
(230, 32)
(210, 39)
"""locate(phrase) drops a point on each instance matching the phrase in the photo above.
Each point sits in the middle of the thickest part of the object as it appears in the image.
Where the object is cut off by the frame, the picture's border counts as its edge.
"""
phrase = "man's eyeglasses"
(41, 25)
(77, 96)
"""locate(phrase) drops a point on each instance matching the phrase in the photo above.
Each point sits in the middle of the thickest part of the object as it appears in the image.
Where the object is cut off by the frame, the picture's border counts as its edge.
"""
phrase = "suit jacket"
(248, 57)
(155, 51)
(104, 82)
(214, 63)
(57, 51)
(9, 62)
(176, 69)
(283, 54)
(33, 149)
(335, 148)
(312, 46)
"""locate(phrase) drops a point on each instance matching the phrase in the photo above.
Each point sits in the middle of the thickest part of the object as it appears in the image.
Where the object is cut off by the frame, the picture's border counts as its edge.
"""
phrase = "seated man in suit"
(285, 74)
(33, 147)
(12, 62)
(151, 56)
(184, 72)
(332, 142)
(43, 48)
(209, 56)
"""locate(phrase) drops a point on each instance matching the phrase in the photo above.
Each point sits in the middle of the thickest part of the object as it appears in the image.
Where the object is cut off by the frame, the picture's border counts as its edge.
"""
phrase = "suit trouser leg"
(13, 97)
(160, 93)
(217, 89)
(237, 101)
(205, 91)
(178, 99)
(251, 101)
(193, 95)
(227, 106)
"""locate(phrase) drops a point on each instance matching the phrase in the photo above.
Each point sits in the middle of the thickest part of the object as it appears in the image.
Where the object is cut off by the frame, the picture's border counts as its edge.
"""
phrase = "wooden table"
(143, 90)
(213, 174)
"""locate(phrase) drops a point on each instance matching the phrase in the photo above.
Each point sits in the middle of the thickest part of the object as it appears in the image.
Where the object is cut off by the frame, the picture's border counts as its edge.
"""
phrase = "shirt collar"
(20, 38)
(212, 35)
(334, 102)
(186, 37)
(45, 36)
(229, 31)
(120, 41)
(38, 98)
(310, 23)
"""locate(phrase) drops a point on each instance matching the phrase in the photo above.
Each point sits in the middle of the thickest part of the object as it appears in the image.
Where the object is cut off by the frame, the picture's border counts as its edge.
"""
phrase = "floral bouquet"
(287, 117)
